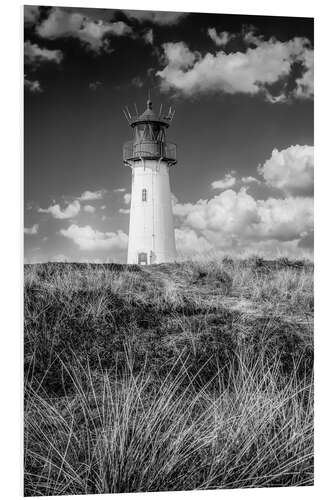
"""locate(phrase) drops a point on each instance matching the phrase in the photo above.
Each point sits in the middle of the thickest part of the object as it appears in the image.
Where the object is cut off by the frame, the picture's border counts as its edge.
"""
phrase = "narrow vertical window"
(144, 195)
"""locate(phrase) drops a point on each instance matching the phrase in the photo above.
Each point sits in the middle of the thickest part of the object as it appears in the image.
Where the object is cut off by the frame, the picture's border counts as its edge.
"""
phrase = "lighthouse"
(151, 230)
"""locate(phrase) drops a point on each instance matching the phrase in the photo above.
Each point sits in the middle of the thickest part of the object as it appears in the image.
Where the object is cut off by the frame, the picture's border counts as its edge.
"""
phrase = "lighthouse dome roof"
(148, 114)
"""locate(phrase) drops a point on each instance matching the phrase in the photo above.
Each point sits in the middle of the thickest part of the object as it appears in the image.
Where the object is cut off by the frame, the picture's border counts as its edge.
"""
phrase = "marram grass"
(192, 376)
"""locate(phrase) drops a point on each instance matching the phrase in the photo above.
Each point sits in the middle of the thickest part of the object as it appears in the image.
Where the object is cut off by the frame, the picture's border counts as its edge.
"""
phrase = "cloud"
(231, 210)
(290, 170)
(88, 238)
(31, 14)
(31, 230)
(137, 82)
(220, 39)
(235, 221)
(188, 242)
(178, 57)
(174, 199)
(119, 190)
(127, 198)
(227, 182)
(161, 18)
(89, 209)
(148, 36)
(70, 211)
(305, 84)
(91, 33)
(285, 219)
(124, 210)
(73, 208)
(251, 72)
(33, 86)
(92, 195)
(34, 55)
(250, 180)
(95, 85)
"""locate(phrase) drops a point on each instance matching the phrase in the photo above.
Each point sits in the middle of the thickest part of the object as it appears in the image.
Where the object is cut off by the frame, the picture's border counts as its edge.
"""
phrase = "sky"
(242, 87)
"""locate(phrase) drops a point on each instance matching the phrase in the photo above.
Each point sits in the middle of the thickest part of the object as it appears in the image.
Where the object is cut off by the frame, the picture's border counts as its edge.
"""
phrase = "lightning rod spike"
(126, 116)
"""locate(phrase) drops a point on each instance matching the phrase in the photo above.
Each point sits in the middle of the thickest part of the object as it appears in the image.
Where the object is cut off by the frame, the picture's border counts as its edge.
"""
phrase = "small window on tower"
(144, 195)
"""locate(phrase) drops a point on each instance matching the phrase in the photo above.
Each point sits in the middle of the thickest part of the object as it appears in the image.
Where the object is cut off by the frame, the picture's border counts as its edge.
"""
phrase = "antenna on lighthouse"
(127, 118)
(136, 109)
(170, 114)
(128, 112)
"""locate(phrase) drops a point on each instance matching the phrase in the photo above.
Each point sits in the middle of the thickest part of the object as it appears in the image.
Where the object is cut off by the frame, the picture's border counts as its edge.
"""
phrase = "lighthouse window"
(144, 195)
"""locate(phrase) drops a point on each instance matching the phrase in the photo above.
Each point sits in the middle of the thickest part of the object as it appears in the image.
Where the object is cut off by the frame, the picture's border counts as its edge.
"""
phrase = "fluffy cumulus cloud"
(34, 55)
(92, 195)
(127, 198)
(90, 239)
(262, 64)
(89, 209)
(71, 210)
(290, 170)
(161, 18)
(31, 230)
(285, 219)
(305, 84)
(235, 221)
(179, 58)
(220, 39)
(92, 33)
(228, 211)
(188, 242)
(33, 86)
(250, 180)
(228, 181)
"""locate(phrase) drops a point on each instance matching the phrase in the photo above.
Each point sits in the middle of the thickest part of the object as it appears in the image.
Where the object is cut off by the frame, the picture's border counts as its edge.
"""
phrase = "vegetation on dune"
(169, 377)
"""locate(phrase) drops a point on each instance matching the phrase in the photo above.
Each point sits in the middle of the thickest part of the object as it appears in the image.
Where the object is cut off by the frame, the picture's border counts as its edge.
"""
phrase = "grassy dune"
(170, 377)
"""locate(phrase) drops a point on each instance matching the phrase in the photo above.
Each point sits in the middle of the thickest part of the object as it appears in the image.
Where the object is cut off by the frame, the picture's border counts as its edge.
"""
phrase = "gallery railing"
(150, 150)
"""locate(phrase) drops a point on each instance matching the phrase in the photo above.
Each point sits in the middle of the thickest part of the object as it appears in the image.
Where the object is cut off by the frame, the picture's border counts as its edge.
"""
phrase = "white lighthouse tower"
(151, 231)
